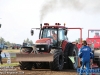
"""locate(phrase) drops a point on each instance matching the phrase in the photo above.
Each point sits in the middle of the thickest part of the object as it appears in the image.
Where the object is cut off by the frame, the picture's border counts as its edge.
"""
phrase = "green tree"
(2, 41)
(28, 41)
(31, 42)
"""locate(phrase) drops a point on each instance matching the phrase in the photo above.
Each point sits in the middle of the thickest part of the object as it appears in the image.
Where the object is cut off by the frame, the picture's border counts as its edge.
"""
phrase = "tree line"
(9, 44)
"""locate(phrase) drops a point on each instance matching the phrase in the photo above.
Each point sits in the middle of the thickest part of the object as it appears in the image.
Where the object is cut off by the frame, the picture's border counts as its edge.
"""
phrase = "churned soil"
(48, 72)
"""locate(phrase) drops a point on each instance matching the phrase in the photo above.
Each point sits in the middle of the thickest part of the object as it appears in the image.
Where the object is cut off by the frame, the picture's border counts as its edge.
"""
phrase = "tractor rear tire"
(58, 61)
(26, 65)
(73, 51)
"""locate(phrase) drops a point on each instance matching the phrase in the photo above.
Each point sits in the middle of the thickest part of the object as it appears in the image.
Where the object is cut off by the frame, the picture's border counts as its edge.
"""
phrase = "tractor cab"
(52, 35)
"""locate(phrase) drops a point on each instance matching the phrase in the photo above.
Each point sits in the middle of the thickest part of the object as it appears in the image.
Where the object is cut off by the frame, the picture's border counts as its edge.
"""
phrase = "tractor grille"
(42, 48)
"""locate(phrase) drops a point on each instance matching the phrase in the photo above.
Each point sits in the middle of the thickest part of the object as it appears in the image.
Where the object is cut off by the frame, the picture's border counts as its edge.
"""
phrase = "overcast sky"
(19, 16)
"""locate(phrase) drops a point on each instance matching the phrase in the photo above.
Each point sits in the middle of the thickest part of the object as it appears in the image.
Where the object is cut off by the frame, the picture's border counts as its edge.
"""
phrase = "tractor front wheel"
(26, 65)
(58, 61)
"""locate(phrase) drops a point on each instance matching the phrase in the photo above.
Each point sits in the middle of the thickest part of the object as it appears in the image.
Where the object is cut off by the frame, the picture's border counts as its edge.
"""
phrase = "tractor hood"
(44, 41)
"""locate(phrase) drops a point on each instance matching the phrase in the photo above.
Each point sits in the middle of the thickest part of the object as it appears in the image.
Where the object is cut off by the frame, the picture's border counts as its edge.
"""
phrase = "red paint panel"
(44, 40)
(95, 41)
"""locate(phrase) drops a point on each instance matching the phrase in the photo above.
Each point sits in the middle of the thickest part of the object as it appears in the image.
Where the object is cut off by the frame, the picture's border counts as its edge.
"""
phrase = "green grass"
(12, 51)
(10, 57)
(12, 64)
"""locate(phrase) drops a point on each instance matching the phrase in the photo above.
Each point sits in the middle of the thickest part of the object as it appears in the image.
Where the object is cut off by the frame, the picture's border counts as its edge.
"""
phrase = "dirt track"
(48, 72)
(44, 71)
(40, 72)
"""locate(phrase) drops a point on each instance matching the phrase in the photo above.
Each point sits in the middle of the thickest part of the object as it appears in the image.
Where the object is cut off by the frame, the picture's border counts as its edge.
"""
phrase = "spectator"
(1, 56)
(97, 35)
(86, 55)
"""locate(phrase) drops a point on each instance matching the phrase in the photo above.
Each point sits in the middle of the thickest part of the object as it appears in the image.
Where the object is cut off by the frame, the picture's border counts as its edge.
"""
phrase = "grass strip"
(12, 64)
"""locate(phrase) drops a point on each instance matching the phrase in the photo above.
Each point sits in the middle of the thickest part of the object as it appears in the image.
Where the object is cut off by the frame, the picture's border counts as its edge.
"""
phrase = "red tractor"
(94, 40)
(52, 49)
(95, 43)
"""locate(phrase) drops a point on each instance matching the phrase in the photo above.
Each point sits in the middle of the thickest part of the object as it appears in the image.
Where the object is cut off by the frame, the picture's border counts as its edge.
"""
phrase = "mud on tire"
(58, 61)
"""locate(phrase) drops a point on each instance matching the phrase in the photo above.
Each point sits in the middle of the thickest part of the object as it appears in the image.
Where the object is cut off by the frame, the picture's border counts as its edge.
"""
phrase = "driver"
(96, 35)
(54, 35)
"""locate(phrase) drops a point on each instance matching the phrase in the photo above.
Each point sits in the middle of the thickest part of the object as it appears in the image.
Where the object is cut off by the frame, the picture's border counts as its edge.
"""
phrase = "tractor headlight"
(42, 48)
(37, 48)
